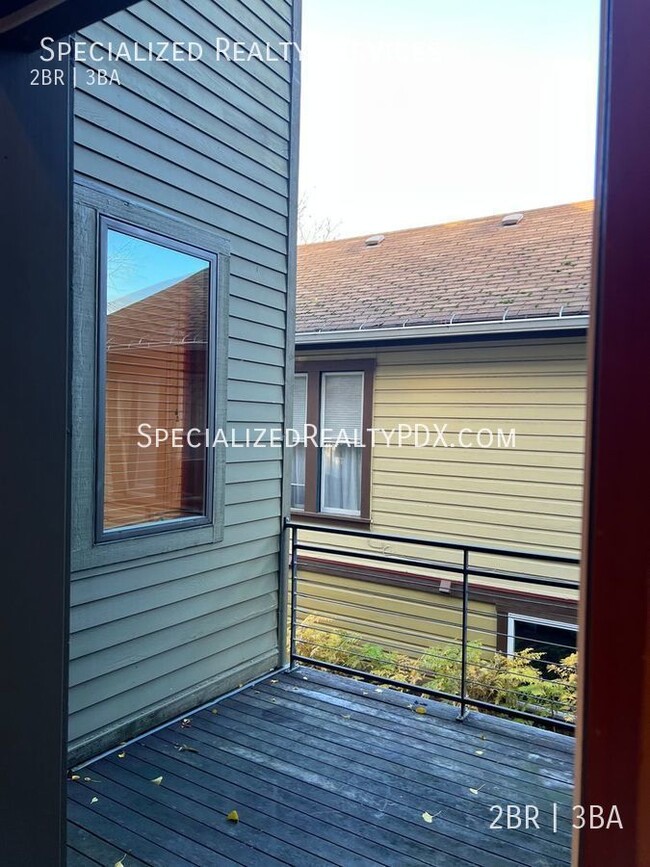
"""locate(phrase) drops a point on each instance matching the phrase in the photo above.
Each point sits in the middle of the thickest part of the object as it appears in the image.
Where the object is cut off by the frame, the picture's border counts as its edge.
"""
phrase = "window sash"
(342, 423)
(202, 517)
(300, 404)
(317, 501)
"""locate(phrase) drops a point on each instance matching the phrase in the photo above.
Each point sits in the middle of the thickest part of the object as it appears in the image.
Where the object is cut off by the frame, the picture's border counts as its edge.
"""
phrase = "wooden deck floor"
(324, 770)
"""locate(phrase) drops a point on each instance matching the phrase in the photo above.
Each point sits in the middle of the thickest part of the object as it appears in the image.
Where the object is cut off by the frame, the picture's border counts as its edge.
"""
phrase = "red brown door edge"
(614, 716)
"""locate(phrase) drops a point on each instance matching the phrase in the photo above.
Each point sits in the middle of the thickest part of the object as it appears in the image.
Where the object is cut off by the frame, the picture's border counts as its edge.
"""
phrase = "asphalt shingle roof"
(469, 271)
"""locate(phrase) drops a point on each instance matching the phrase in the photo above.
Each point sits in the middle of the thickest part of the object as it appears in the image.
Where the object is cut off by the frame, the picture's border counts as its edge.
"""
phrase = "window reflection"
(156, 359)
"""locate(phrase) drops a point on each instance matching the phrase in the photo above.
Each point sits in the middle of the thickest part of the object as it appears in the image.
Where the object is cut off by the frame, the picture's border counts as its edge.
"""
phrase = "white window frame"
(354, 513)
(558, 624)
(301, 434)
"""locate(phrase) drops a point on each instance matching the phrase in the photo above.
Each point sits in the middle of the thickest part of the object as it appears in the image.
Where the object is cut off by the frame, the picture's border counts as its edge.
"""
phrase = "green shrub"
(510, 681)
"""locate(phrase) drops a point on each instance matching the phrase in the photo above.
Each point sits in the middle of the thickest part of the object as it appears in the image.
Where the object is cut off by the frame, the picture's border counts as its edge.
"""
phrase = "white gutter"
(447, 329)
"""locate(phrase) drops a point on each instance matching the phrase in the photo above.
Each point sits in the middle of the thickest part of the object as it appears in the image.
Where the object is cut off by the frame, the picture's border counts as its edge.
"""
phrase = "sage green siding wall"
(208, 143)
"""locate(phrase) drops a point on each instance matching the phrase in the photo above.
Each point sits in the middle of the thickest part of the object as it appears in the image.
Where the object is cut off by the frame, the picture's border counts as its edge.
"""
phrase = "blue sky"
(427, 111)
(142, 267)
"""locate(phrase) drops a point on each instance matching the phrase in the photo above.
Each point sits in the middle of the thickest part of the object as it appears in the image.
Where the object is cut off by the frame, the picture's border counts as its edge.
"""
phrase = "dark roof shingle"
(469, 271)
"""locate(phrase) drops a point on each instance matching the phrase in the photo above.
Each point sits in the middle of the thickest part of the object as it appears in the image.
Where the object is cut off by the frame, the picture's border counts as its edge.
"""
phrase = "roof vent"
(374, 240)
(511, 219)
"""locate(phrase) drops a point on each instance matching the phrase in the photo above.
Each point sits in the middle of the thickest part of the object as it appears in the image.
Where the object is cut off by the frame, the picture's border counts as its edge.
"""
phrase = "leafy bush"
(510, 681)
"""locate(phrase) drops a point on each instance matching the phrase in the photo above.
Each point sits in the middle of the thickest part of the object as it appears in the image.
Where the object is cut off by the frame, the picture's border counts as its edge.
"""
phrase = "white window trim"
(351, 513)
(558, 624)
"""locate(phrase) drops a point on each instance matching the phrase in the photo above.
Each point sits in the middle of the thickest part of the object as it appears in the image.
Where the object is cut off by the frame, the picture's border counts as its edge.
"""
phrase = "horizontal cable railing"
(481, 626)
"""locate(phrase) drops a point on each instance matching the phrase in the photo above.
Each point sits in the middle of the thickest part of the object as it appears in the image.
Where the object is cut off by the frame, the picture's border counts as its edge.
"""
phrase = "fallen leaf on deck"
(379, 690)
(121, 755)
(427, 817)
(187, 722)
(233, 816)
(90, 780)
(346, 716)
(184, 748)
(157, 780)
(75, 777)
(420, 709)
(476, 791)
(120, 863)
(94, 800)
(214, 711)
(479, 752)
(305, 678)
(274, 681)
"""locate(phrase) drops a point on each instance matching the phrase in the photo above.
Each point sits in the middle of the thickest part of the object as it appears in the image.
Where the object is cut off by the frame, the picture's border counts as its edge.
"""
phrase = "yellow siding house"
(453, 357)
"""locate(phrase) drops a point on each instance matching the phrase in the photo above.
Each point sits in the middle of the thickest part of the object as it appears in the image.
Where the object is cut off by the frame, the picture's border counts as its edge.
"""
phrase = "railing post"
(463, 649)
(294, 595)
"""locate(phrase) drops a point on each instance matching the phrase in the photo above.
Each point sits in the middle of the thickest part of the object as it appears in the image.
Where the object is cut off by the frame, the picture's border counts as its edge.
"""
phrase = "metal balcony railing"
(441, 619)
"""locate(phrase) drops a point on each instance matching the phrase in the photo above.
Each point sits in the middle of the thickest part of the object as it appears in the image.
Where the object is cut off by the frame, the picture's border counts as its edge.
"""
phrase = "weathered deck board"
(325, 770)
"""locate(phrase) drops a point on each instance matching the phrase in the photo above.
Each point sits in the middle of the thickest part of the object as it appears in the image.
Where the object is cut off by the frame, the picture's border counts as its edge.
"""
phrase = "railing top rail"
(435, 565)
(436, 543)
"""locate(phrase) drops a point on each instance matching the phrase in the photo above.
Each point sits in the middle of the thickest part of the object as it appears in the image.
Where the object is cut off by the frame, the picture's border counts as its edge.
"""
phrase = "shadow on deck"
(325, 770)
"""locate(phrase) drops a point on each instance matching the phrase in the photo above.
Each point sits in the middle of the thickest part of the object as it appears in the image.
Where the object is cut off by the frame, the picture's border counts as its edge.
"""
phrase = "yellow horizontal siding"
(396, 618)
(527, 497)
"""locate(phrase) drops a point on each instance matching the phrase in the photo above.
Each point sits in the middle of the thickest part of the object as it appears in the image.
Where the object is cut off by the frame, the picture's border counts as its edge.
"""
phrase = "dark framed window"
(150, 351)
(156, 358)
(332, 420)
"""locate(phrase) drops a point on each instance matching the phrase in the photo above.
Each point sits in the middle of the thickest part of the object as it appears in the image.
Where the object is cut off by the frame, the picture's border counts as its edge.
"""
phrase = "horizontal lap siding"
(207, 143)
(527, 497)
(398, 619)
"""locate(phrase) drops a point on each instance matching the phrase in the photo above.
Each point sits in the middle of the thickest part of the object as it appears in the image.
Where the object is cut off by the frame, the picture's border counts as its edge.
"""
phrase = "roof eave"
(454, 329)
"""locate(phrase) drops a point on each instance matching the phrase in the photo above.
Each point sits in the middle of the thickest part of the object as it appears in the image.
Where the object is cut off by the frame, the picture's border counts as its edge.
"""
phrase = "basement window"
(556, 640)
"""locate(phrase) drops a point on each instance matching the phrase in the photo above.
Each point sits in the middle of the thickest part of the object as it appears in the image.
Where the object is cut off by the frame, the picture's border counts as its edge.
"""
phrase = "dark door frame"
(614, 718)
(35, 252)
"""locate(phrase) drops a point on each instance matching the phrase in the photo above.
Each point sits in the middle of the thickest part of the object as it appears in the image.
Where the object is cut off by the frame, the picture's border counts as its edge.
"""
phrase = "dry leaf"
(427, 817)
(157, 780)
(479, 752)
(305, 678)
(120, 863)
(419, 709)
(346, 716)
(233, 816)
(476, 791)
(214, 711)
(184, 748)
(121, 755)
(94, 800)
(187, 722)
(75, 777)
(274, 681)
